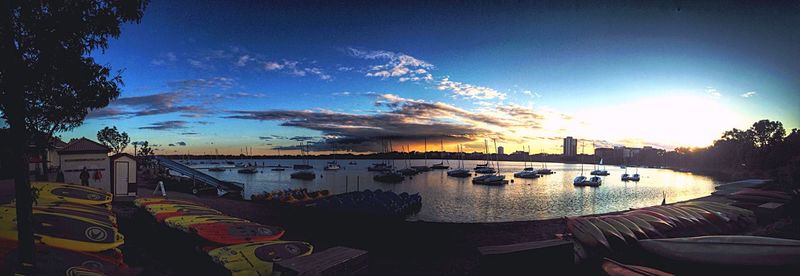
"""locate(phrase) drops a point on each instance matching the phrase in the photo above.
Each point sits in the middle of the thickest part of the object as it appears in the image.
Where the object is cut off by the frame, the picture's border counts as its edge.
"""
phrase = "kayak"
(65, 231)
(586, 233)
(623, 229)
(144, 201)
(727, 250)
(258, 257)
(71, 193)
(100, 209)
(644, 225)
(161, 216)
(750, 183)
(155, 209)
(609, 231)
(230, 233)
(184, 222)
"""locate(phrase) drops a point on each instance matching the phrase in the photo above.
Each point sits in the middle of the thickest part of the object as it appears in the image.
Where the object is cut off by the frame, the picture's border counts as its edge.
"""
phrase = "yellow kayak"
(64, 231)
(184, 222)
(165, 208)
(257, 258)
(71, 193)
(100, 218)
(144, 201)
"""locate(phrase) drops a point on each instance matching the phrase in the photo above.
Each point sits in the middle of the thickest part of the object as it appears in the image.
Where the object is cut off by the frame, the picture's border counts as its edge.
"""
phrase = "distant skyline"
(202, 77)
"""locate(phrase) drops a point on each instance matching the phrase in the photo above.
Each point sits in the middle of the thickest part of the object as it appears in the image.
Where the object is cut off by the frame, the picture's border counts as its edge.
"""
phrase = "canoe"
(657, 223)
(749, 183)
(71, 193)
(230, 233)
(727, 250)
(586, 233)
(613, 268)
(626, 232)
(638, 231)
(644, 225)
(258, 257)
(65, 231)
(756, 198)
(609, 231)
(673, 222)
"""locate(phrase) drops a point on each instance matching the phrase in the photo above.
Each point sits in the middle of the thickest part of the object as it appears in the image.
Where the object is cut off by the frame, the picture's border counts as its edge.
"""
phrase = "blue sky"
(227, 75)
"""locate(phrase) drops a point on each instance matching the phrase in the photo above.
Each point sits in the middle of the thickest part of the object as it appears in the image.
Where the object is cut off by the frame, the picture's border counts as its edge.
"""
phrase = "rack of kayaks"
(74, 229)
(240, 246)
(599, 236)
(290, 196)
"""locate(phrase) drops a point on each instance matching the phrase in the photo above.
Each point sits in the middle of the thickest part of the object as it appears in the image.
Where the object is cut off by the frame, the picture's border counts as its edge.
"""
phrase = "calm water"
(451, 199)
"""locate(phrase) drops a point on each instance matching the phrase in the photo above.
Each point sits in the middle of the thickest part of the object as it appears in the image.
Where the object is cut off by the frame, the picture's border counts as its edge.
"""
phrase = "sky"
(268, 76)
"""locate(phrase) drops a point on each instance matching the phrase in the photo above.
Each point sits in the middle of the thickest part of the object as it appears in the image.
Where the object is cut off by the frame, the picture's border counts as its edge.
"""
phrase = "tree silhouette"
(767, 133)
(145, 149)
(48, 81)
(113, 139)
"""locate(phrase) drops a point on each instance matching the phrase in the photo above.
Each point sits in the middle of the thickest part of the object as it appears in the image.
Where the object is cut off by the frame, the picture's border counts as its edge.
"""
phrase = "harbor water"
(450, 199)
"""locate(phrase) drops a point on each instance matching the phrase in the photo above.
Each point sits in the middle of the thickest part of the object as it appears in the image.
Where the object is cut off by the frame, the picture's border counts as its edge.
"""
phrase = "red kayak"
(230, 233)
(160, 217)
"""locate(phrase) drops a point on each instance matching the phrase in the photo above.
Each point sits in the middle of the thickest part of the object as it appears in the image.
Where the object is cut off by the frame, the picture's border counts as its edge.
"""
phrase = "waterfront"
(448, 199)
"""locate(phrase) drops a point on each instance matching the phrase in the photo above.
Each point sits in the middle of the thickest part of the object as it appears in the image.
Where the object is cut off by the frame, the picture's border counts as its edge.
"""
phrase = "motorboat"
(332, 166)
(248, 170)
(304, 175)
(595, 181)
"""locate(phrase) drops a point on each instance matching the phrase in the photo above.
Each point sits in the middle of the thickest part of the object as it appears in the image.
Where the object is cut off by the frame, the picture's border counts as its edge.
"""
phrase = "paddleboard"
(65, 231)
(55, 261)
(184, 222)
(258, 256)
(71, 193)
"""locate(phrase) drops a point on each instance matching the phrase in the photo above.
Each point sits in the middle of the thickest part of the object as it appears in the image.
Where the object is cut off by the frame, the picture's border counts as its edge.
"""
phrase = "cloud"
(171, 145)
(296, 68)
(166, 125)
(402, 119)
(155, 104)
(301, 138)
(182, 144)
(189, 133)
(749, 94)
(713, 92)
(469, 91)
(395, 65)
(265, 137)
(166, 58)
(344, 93)
(243, 60)
(237, 95)
(271, 66)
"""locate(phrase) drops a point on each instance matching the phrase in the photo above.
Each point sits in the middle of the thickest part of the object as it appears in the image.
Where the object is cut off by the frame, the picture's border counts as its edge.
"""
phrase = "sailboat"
(382, 166)
(441, 165)
(527, 172)
(485, 168)
(544, 170)
(389, 176)
(581, 179)
(407, 170)
(461, 171)
(635, 176)
(598, 170)
(424, 168)
(491, 179)
(332, 165)
(625, 176)
(279, 167)
(216, 168)
(305, 165)
(305, 173)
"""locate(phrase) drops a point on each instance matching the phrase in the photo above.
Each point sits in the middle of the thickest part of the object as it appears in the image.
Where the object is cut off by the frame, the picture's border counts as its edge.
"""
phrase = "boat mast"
(496, 156)
(581, 157)
(426, 152)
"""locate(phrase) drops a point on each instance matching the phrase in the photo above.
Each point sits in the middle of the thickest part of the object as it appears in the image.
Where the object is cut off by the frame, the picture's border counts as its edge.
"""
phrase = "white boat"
(332, 166)
(485, 168)
(460, 171)
(527, 172)
(635, 177)
(491, 179)
(580, 181)
(598, 170)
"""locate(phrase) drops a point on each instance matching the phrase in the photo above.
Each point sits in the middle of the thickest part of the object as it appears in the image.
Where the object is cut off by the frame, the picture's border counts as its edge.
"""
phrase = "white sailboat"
(527, 172)
(485, 168)
(581, 179)
(460, 171)
(494, 178)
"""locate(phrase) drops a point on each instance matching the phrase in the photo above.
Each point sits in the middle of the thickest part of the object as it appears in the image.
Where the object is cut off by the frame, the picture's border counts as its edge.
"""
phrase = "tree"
(145, 149)
(49, 81)
(767, 133)
(113, 139)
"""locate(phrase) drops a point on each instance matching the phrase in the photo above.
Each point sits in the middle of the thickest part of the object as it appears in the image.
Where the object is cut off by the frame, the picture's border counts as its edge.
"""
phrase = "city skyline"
(608, 75)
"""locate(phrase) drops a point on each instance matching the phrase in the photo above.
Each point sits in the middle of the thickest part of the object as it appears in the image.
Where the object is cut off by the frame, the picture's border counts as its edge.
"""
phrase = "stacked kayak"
(372, 203)
(293, 196)
(752, 197)
(727, 250)
(597, 236)
(72, 226)
(240, 246)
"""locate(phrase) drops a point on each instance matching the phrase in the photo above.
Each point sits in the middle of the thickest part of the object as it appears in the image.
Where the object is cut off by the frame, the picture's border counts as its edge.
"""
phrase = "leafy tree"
(49, 81)
(145, 149)
(113, 139)
(767, 133)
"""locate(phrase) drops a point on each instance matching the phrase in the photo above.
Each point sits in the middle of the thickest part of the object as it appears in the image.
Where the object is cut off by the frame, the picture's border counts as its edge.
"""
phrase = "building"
(80, 153)
(123, 175)
(34, 153)
(570, 146)
(501, 150)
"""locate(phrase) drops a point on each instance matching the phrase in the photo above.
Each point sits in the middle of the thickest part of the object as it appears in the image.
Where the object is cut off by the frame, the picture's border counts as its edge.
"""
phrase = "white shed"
(123, 174)
(84, 153)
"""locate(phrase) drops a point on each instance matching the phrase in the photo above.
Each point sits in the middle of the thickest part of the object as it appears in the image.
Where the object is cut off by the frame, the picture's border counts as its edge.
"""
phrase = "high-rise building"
(570, 146)
(501, 150)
